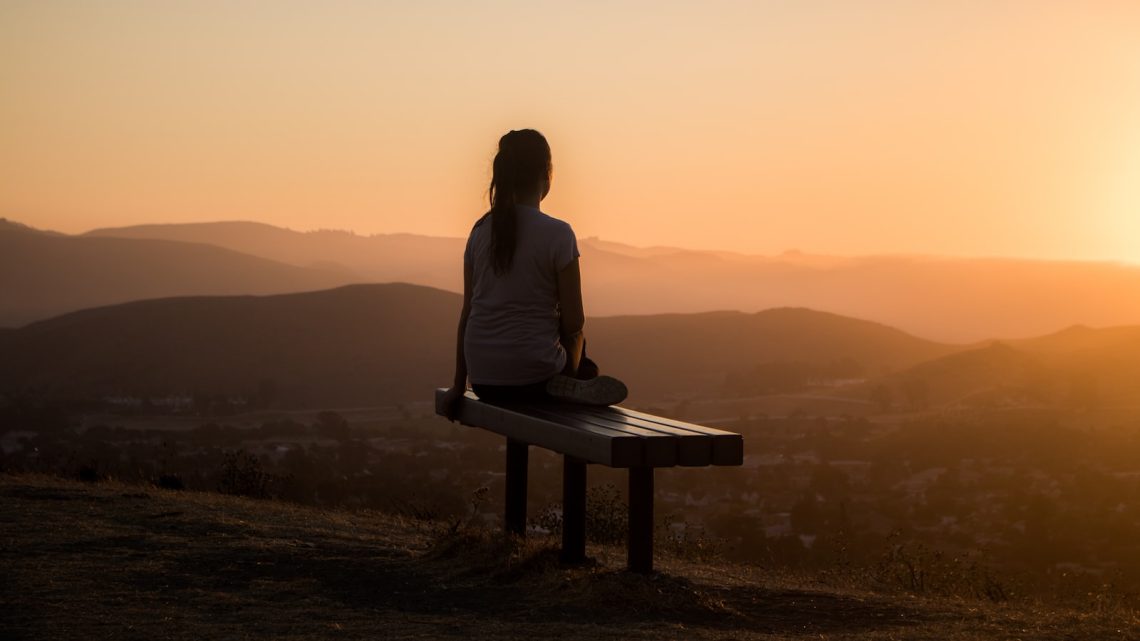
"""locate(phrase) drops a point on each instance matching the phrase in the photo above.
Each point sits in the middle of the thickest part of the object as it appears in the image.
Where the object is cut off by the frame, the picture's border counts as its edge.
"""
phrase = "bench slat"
(727, 448)
(693, 450)
(659, 452)
(588, 442)
(691, 427)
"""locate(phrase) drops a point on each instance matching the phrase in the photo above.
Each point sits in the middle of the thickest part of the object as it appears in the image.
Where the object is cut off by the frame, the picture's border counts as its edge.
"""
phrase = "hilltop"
(115, 561)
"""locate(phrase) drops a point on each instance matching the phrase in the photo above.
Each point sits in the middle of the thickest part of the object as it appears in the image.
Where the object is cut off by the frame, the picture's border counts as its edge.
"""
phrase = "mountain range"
(946, 299)
(369, 344)
(44, 274)
(366, 344)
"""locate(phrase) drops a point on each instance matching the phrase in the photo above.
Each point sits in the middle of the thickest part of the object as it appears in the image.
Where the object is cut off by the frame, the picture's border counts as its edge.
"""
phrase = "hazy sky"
(971, 128)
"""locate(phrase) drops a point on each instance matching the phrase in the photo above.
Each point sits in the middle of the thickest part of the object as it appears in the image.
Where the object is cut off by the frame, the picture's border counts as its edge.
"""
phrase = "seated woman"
(520, 332)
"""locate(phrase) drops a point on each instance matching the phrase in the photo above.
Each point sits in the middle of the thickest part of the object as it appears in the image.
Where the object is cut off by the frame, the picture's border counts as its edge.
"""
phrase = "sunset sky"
(963, 128)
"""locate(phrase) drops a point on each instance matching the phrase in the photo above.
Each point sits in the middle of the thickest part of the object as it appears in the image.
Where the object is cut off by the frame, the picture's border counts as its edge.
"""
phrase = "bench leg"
(515, 510)
(573, 510)
(641, 519)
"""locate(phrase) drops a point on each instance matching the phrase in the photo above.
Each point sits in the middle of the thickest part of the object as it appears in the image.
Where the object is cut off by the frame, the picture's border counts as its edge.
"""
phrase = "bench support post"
(641, 519)
(515, 509)
(573, 510)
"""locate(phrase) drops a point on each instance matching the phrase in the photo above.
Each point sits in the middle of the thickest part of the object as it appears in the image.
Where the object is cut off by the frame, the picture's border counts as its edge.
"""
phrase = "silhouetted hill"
(45, 274)
(423, 260)
(703, 349)
(1098, 367)
(11, 225)
(1079, 367)
(949, 299)
(1080, 339)
(355, 344)
(365, 344)
(993, 374)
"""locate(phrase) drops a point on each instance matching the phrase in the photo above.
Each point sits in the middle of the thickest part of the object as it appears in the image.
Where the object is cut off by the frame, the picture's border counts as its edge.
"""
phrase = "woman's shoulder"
(551, 223)
(485, 217)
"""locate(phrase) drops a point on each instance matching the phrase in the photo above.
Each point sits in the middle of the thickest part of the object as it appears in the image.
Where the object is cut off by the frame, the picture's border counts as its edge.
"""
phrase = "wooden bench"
(612, 436)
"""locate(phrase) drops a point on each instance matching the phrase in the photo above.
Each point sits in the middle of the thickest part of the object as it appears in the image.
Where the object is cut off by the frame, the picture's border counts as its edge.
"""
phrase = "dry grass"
(110, 561)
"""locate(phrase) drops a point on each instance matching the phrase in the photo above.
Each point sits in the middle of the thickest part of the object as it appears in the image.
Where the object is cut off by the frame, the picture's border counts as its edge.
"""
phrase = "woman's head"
(521, 171)
(522, 166)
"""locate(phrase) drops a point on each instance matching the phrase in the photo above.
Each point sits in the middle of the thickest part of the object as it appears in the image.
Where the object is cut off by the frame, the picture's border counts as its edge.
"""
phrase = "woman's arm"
(459, 383)
(573, 318)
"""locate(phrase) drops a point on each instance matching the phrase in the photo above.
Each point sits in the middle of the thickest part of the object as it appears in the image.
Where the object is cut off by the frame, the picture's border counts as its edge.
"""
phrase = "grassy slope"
(110, 561)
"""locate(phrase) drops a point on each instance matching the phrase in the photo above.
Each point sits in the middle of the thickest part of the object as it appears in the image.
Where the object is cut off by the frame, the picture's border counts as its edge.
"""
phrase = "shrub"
(607, 516)
(90, 473)
(242, 475)
(170, 482)
(916, 568)
(686, 540)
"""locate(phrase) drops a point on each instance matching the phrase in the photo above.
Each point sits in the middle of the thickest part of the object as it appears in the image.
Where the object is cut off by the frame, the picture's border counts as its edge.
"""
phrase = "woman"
(520, 331)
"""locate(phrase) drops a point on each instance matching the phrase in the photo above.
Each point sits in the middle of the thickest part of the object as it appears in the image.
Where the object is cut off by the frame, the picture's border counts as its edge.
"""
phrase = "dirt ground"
(111, 561)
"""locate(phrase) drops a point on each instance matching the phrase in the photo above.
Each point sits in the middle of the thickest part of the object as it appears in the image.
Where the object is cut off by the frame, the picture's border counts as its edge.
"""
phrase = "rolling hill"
(988, 375)
(356, 344)
(704, 349)
(44, 274)
(423, 260)
(365, 344)
(1079, 368)
(943, 298)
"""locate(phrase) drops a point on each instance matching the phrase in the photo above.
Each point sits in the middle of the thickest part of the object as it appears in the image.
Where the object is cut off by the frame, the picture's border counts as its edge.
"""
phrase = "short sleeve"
(469, 249)
(565, 248)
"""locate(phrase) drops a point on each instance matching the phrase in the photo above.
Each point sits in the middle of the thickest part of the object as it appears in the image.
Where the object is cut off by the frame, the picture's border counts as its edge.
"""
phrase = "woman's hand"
(450, 402)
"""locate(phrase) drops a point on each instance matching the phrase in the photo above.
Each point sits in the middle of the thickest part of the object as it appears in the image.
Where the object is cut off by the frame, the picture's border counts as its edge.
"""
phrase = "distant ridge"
(44, 274)
(1078, 368)
(703, 348)
(424, 260)
(943, 298)
(374, 343)
(1081, 338)
(11, 225)
(365, 344)
(388, 343)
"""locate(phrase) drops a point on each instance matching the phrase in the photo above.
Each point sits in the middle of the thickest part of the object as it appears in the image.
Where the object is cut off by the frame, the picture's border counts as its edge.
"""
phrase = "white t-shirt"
(513, 328)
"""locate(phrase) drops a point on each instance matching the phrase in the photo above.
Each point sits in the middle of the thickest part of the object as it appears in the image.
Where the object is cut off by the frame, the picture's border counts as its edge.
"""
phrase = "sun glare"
(1122, 201)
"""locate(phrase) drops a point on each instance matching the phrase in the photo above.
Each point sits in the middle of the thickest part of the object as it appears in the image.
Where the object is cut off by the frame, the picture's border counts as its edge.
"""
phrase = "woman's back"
(512, 334)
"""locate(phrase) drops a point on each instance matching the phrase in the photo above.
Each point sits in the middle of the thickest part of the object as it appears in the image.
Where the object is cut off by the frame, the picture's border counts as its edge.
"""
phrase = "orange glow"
(834, 127)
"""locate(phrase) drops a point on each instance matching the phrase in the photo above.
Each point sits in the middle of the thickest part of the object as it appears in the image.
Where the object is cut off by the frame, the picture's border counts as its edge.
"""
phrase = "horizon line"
(789, 252)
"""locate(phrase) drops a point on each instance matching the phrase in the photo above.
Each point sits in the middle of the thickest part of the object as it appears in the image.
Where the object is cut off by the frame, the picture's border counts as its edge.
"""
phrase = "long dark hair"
(522, 161)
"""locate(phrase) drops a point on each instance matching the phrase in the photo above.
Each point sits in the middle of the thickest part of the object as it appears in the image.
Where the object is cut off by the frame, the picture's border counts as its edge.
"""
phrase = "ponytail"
(504, 217)
(522, 161)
